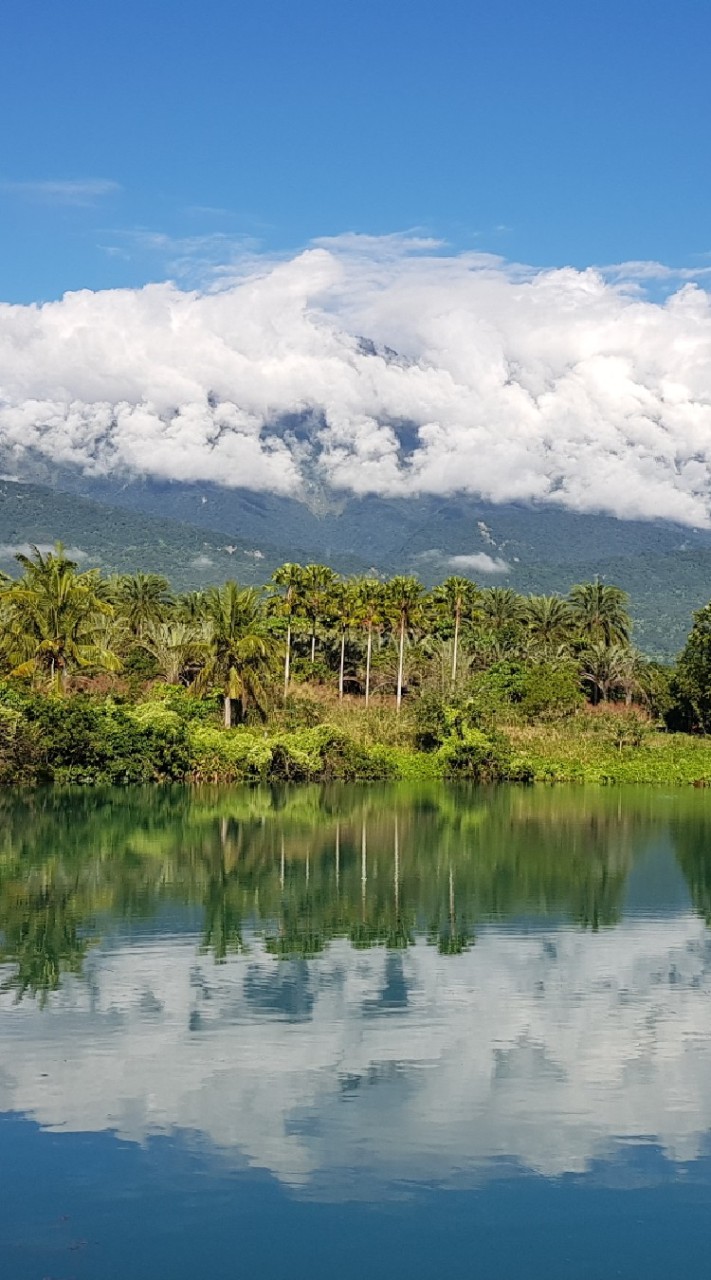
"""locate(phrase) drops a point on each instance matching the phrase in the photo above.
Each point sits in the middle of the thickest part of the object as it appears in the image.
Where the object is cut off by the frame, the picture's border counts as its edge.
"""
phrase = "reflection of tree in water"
(41, 935)
(692, 842)
(302, 866)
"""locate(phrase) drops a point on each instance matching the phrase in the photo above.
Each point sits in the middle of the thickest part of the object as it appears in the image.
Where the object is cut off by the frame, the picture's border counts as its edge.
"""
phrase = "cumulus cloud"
(377, 366)
(479, 562)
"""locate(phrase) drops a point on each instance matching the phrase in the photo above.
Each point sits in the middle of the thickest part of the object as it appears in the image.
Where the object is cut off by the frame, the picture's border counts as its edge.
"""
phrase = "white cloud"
(73, 191)
(479, 562)
(564, 386)
(8, 550)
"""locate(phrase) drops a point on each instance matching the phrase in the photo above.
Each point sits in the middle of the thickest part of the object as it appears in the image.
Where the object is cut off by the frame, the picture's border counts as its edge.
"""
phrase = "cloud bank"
(377, 366)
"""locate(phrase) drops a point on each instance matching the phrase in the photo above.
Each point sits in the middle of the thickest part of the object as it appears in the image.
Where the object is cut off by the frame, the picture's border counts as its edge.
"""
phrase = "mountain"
(198, 533)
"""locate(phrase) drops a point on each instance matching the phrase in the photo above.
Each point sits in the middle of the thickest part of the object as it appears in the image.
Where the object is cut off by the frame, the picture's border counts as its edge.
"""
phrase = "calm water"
(319, 1032)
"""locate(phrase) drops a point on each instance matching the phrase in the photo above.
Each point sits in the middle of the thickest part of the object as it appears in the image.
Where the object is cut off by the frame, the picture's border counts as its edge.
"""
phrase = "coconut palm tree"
(317, 585)
(143, 599)
(239, 649)
(290, 578)
(455, 598)
(600, 613)
(404, 604)
(50, 619)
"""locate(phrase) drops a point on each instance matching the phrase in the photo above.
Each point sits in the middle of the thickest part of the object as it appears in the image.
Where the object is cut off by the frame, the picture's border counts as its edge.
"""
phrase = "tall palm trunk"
(343, 660)
(457, 615)
(287, 659)
(367, 664)
(313, 645)
(228, 711)
(401, 660)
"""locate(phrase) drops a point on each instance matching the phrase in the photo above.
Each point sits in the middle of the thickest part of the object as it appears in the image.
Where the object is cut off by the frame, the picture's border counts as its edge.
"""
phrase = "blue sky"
(150, 136)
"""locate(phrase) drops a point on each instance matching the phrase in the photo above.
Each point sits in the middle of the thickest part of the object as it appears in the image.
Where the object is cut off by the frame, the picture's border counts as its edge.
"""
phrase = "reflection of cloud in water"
(543, 1049)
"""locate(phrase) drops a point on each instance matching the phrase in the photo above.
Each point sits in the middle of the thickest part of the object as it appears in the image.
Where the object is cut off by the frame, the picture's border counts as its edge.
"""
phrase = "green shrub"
(483, 757)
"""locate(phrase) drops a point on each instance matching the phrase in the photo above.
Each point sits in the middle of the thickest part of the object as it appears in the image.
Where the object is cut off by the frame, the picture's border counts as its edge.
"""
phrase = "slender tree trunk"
(313, 645)
(287, 659)
(456, 646)
(228, 711)
(343, 659)
(367, 665)
(401, 661)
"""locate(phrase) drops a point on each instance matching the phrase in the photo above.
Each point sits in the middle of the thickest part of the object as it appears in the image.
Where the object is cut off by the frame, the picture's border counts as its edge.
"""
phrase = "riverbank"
(171, 736)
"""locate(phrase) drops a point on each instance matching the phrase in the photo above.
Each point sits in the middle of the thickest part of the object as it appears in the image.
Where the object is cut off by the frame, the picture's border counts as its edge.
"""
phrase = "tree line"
(365, 636)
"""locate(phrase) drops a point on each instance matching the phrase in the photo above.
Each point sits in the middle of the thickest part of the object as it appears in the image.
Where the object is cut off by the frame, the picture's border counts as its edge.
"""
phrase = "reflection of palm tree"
(43, 941)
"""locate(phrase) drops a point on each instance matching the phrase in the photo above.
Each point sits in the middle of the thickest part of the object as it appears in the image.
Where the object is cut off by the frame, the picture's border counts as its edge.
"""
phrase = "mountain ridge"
(197, 533)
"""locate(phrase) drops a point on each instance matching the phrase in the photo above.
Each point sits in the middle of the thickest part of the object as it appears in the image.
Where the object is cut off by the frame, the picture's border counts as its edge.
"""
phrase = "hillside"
(197, 534)
(123, 541)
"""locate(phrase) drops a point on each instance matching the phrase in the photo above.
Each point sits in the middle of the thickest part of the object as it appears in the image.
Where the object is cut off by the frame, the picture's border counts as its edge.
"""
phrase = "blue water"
(312, 1033)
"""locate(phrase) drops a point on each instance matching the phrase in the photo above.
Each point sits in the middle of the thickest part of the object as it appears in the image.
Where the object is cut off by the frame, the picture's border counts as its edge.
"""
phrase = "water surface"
(308, 1031)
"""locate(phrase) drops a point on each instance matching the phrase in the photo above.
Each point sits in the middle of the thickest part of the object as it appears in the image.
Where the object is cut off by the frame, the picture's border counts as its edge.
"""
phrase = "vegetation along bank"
(313, 677)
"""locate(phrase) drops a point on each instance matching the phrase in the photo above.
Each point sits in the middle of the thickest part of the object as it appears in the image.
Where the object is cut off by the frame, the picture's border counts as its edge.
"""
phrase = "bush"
(227, 755)
(482, 757)
(429, 721)
(79, 742)
(550, 691)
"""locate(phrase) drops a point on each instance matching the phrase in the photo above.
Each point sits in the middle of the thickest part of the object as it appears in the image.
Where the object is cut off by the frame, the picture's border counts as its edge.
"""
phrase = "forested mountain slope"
(201, 533)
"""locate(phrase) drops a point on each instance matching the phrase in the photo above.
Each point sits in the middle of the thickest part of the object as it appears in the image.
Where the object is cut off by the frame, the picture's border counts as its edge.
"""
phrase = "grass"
(580, 753)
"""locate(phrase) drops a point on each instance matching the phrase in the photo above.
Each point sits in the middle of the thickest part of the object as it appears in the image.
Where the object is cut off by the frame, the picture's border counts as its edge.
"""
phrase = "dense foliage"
(118, 679)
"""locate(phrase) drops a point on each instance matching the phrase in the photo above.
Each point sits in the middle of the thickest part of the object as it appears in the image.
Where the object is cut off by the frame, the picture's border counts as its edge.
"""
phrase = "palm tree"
(51, 618)
(455, 596)
(608, 667)
(176, 647)
(501, 607)
(549, 623)
(143, 598)
(600, 613)
(317, 585)
(404, 598)
(369, 603)
(239, 647)
(290, 577)
(345, 609)
(191, 607)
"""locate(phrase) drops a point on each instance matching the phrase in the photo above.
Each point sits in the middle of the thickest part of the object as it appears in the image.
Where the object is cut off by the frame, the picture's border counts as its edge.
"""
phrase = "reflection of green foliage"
(41, 935)
(304, 865)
